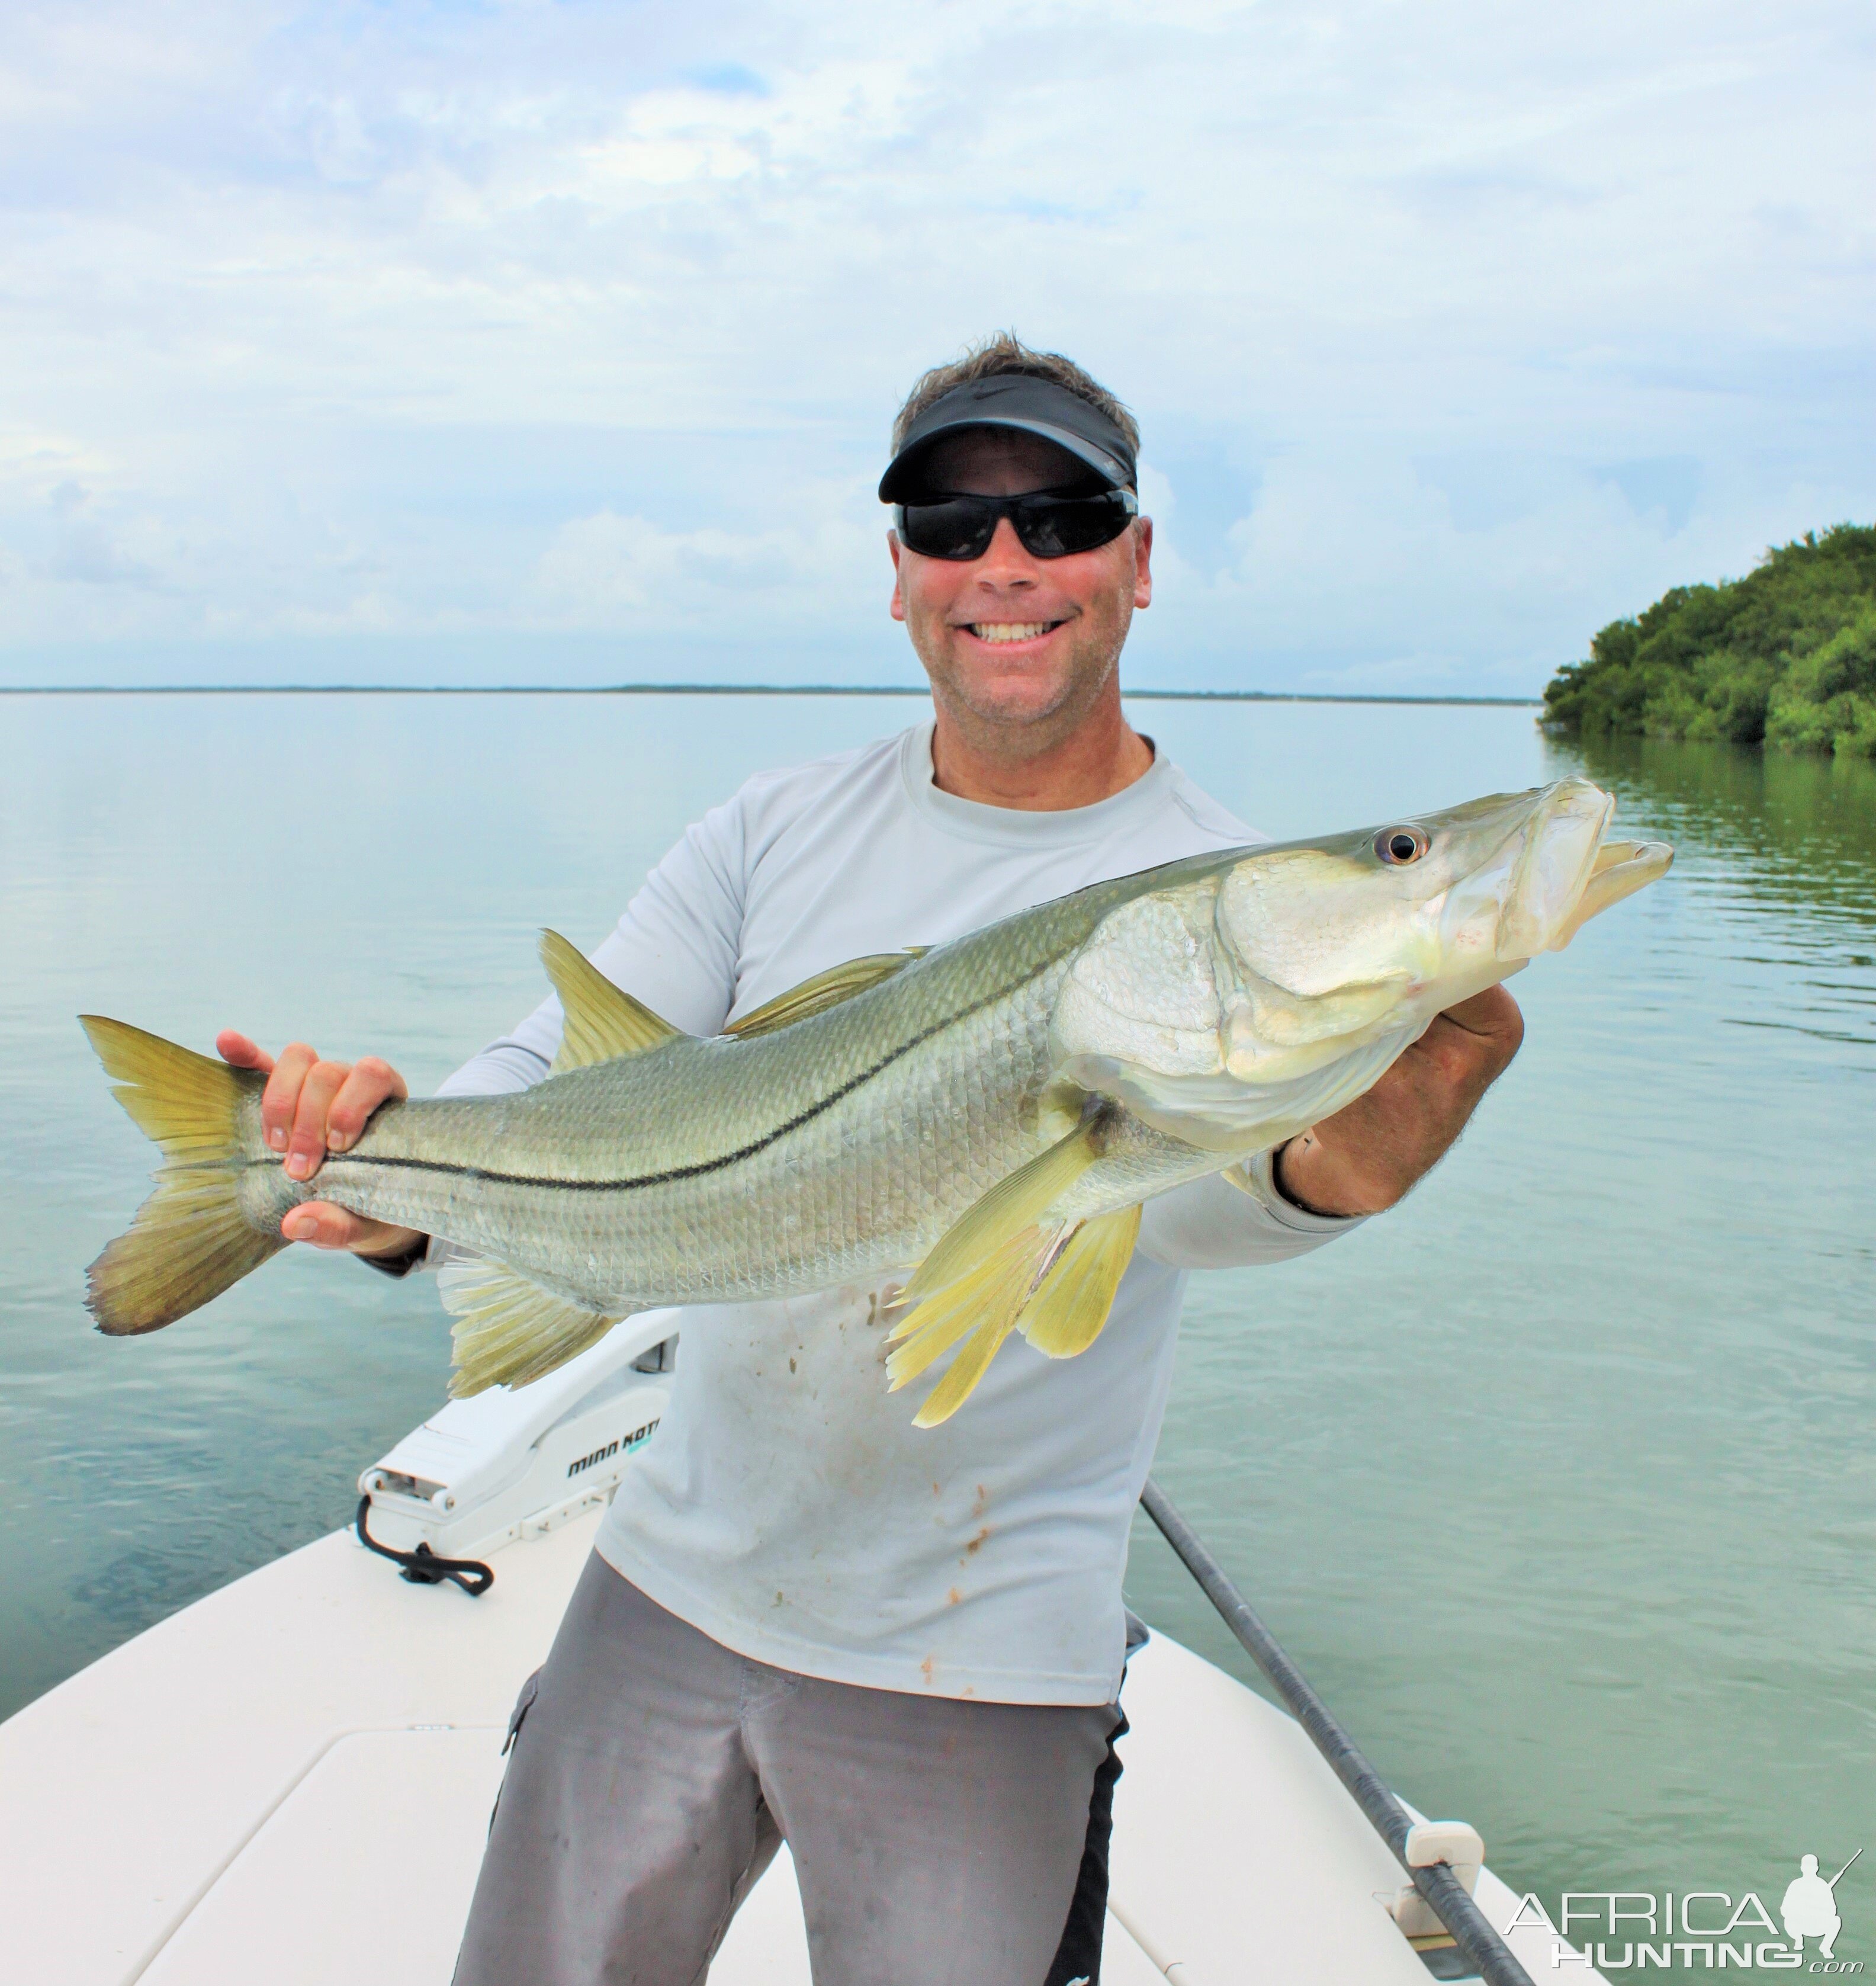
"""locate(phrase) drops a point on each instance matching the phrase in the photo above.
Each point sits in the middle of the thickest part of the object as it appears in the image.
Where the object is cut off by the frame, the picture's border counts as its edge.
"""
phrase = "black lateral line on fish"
(703, 1166)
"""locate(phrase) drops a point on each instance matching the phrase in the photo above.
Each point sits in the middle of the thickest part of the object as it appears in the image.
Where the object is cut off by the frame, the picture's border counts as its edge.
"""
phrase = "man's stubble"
(1014, 728)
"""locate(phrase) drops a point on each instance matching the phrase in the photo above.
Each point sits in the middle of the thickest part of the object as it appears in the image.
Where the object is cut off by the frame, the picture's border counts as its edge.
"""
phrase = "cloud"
(87, 555)
(609, 572)
(1453, 335)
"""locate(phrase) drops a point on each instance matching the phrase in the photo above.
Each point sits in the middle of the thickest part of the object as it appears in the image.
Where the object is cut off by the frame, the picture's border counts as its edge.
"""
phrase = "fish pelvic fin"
(1071, 1303)
(601, 1021)
(825, 990)
(510, 1331)
(189, 1239)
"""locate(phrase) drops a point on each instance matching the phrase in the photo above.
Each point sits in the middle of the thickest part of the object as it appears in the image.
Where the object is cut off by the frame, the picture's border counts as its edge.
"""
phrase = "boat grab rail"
(1445, 1896)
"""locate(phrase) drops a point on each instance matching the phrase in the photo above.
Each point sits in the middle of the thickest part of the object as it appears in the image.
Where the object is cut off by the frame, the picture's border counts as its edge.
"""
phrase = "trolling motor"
(481, 1472)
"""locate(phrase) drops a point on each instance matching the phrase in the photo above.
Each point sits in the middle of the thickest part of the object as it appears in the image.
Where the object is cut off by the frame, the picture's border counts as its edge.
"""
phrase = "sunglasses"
(1049, 523)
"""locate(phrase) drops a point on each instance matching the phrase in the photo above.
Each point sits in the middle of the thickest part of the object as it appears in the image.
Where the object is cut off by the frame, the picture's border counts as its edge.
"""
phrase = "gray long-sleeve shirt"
(787, 1506)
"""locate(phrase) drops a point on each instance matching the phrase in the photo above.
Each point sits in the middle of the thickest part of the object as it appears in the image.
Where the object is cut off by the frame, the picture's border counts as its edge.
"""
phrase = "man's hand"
(311, 1107)
(1370, 1155)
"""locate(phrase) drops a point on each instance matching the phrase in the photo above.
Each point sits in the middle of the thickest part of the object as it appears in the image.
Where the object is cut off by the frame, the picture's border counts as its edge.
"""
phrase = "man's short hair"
(1004, 351)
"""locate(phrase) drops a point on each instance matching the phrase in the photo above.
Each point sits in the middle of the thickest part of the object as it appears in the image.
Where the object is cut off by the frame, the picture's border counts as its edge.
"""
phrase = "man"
(899, 1650)
(1810, 1907)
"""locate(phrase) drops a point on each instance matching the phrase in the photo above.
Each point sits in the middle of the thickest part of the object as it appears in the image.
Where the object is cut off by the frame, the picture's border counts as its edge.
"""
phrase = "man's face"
(1021, 644)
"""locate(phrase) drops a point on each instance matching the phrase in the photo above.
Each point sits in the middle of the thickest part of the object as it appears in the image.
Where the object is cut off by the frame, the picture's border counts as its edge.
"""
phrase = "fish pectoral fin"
(982, 1308)
(509, 1331)
(825, 990)
(1012, 1205)
(1005, 1277)
(1071, 1302)
(603, 1021)
(1053, 1281)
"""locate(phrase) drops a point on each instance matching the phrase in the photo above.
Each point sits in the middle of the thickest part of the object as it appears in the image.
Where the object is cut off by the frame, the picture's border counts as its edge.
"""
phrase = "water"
(1557, 1482)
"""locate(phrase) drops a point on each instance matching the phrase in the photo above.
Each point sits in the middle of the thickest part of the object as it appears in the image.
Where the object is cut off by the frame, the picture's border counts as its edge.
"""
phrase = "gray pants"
(937, 1842)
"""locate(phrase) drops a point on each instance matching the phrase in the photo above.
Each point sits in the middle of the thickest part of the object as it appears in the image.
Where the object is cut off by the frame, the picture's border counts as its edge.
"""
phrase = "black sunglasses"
(1050, 523)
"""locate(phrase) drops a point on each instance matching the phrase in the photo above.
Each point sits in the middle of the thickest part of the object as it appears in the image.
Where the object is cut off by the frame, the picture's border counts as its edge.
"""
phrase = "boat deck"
(291, 1780)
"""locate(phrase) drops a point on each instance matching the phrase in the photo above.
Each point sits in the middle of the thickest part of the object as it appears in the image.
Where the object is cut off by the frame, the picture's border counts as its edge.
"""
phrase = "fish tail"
(190, 1239)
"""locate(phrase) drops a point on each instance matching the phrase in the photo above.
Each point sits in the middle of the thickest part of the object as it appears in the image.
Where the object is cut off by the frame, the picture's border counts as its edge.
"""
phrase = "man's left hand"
(1367, 1156)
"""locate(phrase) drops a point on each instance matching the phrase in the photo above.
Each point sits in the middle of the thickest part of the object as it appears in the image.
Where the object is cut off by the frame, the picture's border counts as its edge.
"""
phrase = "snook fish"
(993, 1110)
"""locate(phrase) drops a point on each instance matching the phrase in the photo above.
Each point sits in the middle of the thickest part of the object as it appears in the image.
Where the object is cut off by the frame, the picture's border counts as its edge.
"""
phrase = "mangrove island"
(1786, 656)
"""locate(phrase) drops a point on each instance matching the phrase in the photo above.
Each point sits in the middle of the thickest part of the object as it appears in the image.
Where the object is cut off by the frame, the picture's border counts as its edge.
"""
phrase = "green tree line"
(1786, 656)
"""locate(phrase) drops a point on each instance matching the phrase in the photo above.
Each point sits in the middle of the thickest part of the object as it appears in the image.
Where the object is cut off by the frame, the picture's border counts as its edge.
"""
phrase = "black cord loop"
(422, 1567)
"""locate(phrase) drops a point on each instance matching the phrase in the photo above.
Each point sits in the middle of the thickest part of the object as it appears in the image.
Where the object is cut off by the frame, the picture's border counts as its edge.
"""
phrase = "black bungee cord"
(422, 1567)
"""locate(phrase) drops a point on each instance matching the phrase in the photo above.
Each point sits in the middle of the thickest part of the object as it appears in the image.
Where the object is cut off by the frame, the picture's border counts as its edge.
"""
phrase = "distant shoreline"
(717, 689)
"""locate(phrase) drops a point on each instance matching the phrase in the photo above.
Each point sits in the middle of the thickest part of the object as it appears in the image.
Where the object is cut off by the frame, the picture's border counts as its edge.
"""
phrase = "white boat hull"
(290, 1780)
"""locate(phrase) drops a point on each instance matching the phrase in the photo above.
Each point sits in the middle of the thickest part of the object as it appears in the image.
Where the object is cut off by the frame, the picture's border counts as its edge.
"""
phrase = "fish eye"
(1398, 846)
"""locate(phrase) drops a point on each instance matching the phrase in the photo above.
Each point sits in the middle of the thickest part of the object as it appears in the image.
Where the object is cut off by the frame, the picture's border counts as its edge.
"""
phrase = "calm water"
(1557, 1482)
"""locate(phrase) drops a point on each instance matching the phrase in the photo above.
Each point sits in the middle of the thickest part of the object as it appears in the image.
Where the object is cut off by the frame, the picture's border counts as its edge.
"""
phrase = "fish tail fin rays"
(186, 1244)
(509, 1331)
(1070, 1305)
(601, 1021)
(189, 1240)
(1621, 867)
(1053, 1281)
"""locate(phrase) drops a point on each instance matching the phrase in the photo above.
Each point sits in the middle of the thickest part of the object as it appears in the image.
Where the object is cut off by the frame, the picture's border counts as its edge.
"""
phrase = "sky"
(524, 342)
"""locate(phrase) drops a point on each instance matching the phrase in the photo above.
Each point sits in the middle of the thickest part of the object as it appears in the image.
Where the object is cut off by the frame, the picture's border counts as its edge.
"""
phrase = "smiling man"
(900, 1650)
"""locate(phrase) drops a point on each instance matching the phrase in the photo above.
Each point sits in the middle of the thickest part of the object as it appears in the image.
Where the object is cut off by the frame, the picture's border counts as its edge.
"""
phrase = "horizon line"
(723, 689)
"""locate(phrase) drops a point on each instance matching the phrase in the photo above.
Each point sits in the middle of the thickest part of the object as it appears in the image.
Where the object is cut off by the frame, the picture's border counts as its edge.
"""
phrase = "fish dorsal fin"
(603, 1020)
(509, 1331)
(825, 990)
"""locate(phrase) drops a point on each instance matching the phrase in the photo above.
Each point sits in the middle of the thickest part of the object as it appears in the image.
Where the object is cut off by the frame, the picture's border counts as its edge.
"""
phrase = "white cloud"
(1453, 333)
(610, 572)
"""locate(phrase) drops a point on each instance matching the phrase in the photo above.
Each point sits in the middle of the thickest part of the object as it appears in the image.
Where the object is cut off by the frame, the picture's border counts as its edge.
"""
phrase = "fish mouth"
(1553, 866)
(1520, 886)
(1620, 869)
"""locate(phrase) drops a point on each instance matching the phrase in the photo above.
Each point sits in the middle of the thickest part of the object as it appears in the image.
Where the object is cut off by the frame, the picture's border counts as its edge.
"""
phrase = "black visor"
(1019, 401)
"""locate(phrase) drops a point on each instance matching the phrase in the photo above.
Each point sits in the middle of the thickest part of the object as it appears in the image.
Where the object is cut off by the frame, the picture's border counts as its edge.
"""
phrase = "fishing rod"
(1445, 1895)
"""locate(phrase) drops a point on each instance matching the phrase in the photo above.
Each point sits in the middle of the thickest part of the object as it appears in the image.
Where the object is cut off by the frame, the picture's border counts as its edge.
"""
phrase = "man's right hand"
(310, 1107)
